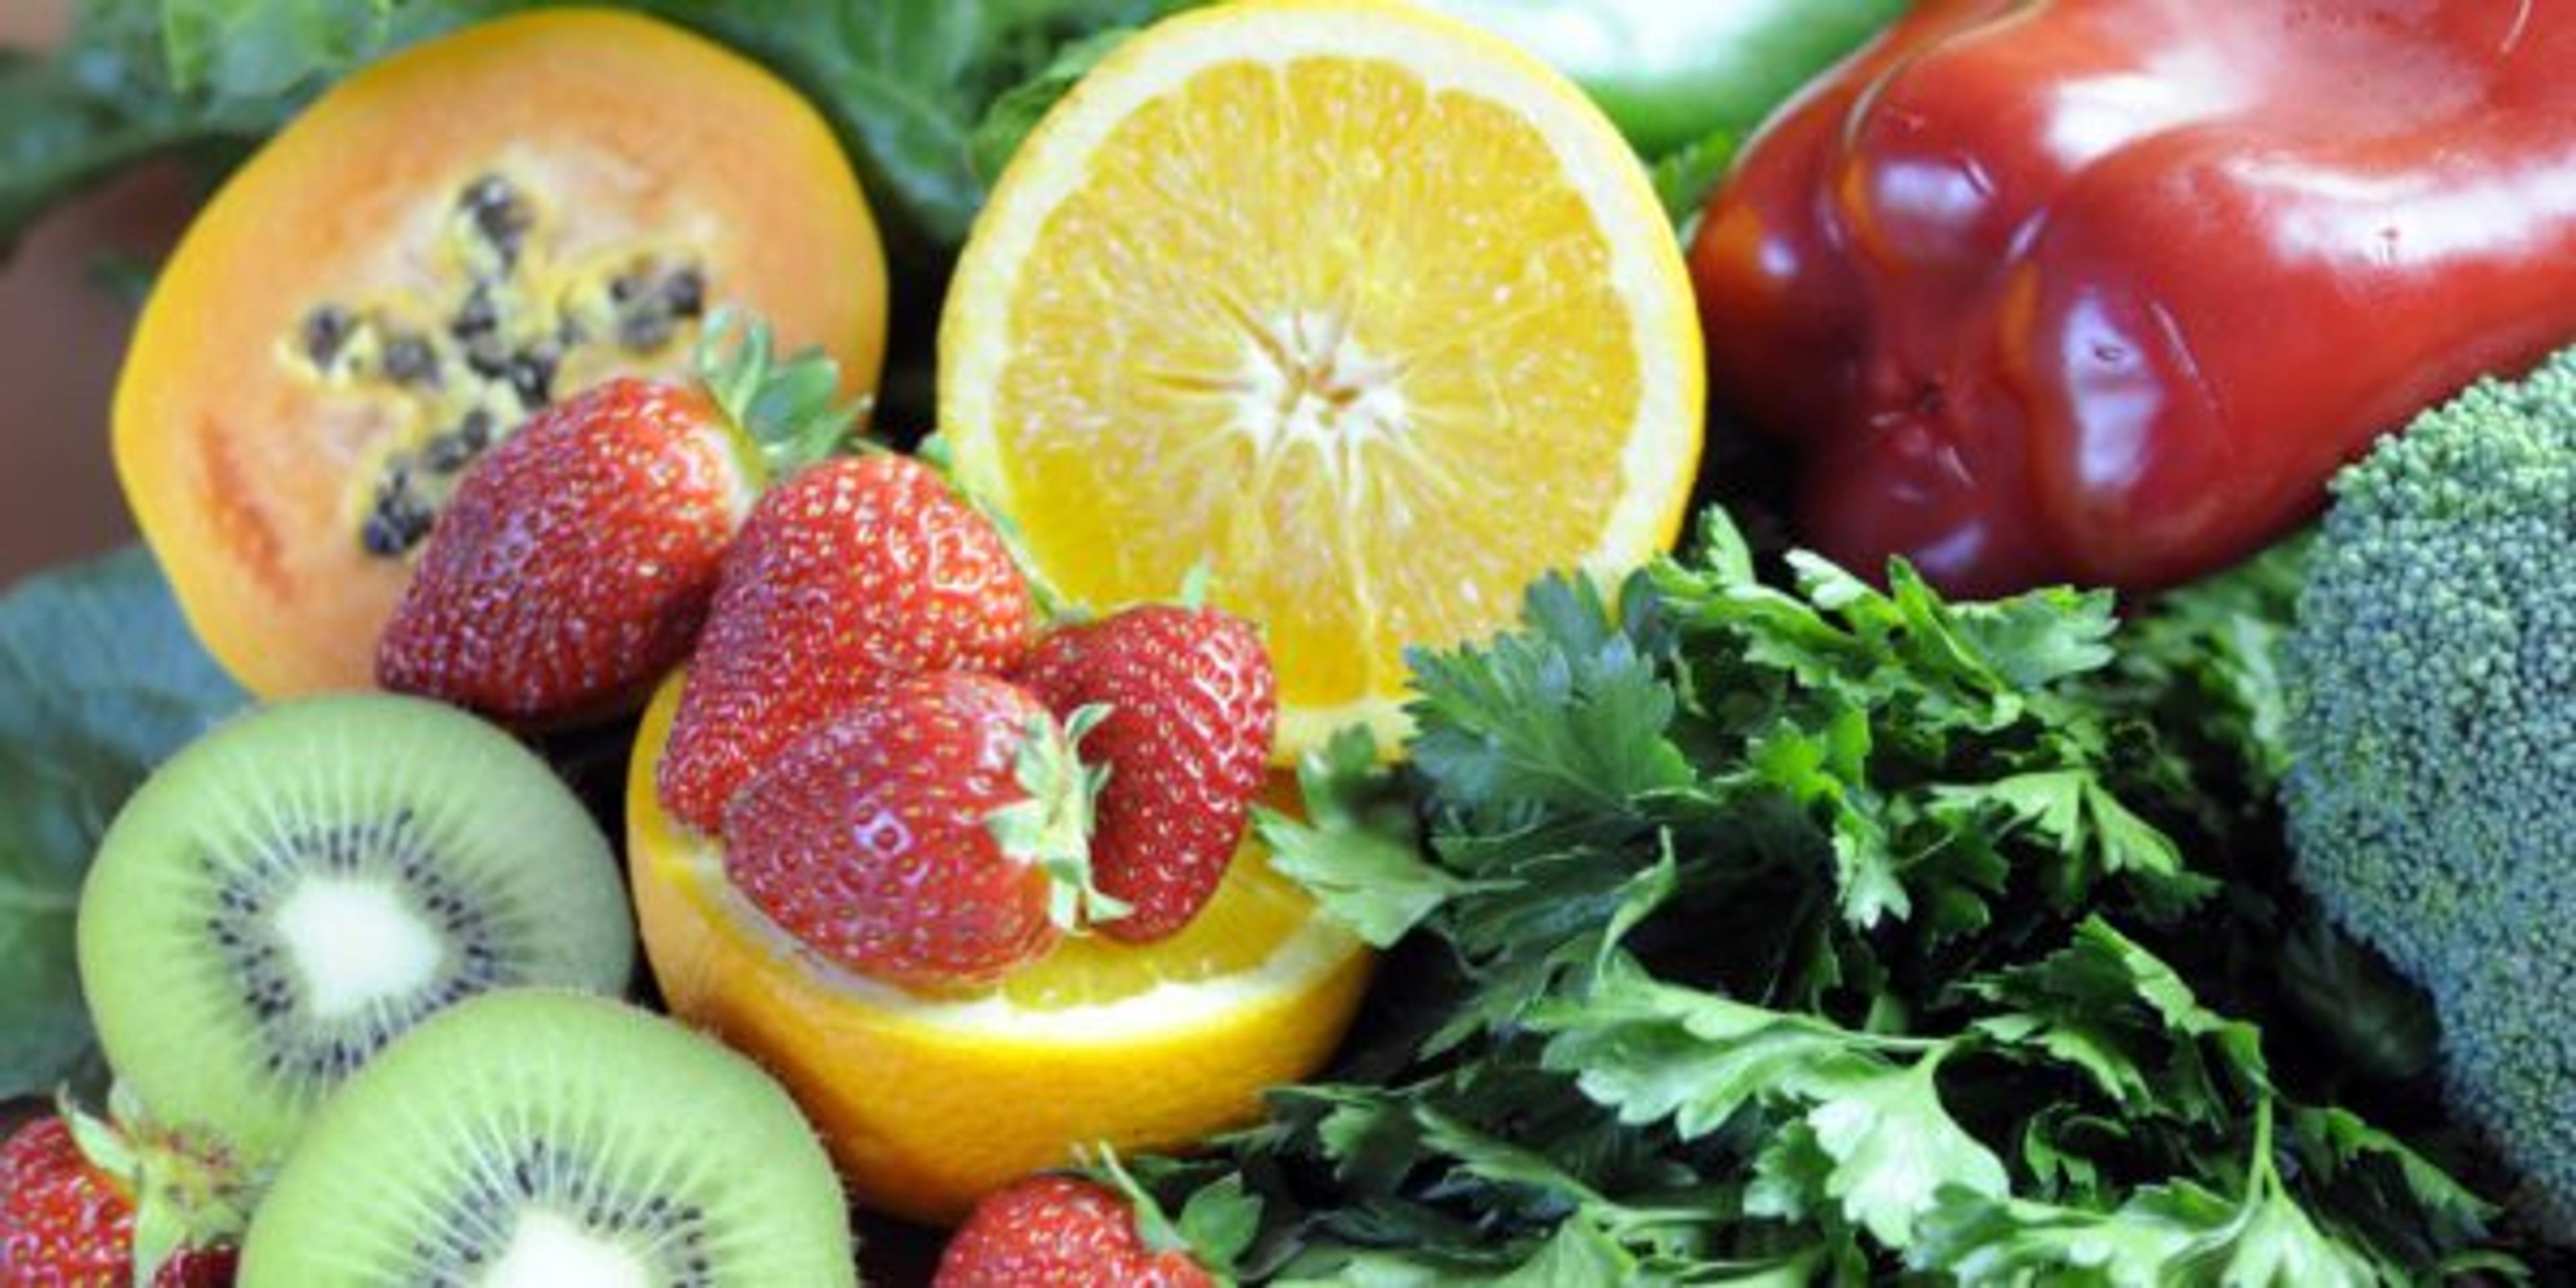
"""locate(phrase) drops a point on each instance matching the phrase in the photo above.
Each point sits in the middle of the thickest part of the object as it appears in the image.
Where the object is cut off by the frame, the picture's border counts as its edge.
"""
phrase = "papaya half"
(441, 245)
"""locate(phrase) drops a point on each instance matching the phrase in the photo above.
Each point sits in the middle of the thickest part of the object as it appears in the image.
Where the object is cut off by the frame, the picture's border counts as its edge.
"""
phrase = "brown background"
(60, 338)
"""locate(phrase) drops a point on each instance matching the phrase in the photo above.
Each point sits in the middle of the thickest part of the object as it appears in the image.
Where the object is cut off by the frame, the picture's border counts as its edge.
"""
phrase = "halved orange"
(1364, 308)
(930, 1103)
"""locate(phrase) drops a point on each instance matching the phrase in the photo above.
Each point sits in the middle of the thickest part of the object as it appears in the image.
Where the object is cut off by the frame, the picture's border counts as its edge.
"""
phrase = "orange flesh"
(250, 477)
(1332, 373)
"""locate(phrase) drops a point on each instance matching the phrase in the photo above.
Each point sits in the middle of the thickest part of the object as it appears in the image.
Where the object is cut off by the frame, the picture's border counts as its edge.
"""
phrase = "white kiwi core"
(549, 1251)
(356, 943)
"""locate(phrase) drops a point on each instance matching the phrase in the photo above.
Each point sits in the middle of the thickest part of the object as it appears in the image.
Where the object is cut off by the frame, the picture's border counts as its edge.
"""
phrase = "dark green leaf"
(99, 681)
(1655, 1052)
(249, 49)
(1356, 850)
(1571, 712)
(2379, 1021)
(1780, 919)
(1578, 1257)
(2087, 825)
(1008, 121)
(101, 103)
(2380, 1189)
(1220, 1222)
(1685, 176)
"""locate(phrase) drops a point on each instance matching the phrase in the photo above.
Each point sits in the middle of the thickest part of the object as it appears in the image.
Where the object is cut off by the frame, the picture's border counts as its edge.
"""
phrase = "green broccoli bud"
(2432, 729)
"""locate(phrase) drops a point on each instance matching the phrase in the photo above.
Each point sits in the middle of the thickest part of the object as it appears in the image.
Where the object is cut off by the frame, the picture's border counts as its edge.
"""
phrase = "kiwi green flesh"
(307, 882)
(538, 1137)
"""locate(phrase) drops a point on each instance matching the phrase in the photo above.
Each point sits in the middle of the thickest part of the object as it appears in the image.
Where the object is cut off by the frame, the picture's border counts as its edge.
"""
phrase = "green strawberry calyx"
(782, 406)
(186, 1192)
(1214, 1230)
(1050, 828)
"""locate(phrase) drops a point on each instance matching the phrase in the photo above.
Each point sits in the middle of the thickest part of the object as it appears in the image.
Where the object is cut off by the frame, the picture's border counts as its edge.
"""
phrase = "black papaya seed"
(326, 332)
(409, 359)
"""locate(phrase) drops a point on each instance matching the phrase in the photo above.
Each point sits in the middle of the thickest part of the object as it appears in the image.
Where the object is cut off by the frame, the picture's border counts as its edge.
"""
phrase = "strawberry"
(852, 575)
(64, 1220)
(574, 564)
(932, 835)
(1192, 703)
(1060, 1232)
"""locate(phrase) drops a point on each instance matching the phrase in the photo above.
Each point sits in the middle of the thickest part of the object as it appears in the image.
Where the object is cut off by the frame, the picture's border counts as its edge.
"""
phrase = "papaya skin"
(249, 478)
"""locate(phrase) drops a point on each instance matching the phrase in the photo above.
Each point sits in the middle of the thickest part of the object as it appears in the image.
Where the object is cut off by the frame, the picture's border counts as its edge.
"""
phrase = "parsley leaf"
(1805, 930)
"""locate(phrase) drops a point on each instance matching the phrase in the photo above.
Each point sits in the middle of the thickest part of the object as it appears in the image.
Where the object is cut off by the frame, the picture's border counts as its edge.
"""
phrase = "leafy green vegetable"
(1685, 176)
(1357, 849)
(1008, 121)
(1811, 934)
(99, 680)
(906, 82)
(2209, 654)
(249, 49)
(102, 103)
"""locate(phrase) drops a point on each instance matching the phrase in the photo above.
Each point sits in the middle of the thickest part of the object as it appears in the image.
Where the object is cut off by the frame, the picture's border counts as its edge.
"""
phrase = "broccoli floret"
(2432, 727)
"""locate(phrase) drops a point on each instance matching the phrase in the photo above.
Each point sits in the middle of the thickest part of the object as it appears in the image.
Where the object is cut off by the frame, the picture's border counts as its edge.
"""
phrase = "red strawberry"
(1192, 704)
(64, 1221)
(1059, 1232)
(850, 576)
(933, 834)
(574, 564)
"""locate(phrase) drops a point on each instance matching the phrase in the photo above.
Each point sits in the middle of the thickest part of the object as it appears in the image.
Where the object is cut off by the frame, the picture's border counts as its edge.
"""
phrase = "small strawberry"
(574, 564)
(1060, 1232)
(852, 575)
(66, 1220)
(932, 835)
(1192, 704)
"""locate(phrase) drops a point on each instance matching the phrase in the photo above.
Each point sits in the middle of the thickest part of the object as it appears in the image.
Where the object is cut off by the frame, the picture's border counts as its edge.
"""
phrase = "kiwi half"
(535, 1138)
(302, 885)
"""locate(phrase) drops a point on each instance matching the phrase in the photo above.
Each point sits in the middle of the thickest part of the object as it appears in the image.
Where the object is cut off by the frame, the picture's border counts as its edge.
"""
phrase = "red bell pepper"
(2106, 290)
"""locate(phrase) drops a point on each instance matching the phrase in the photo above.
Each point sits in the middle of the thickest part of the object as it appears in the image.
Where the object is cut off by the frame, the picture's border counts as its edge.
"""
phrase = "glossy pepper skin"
(2106, 290)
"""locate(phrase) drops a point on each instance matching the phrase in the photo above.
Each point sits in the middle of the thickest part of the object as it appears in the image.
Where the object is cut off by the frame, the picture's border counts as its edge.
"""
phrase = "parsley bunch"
(1776, 936)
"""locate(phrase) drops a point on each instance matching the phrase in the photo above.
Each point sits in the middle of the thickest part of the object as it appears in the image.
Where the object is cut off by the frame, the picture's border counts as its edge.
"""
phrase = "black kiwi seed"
(326, 1051)
(541, 1127)
(253, 930)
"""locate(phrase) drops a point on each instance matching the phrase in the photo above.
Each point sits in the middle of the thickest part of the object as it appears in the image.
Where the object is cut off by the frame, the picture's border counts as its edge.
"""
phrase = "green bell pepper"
(1673, 72)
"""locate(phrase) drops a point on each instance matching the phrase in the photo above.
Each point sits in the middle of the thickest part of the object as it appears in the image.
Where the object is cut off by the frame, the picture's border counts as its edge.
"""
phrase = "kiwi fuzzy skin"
(435, 1135)
(485, 821)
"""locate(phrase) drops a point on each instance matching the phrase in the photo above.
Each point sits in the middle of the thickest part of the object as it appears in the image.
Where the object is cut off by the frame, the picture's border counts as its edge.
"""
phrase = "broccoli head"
(2432, 729)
